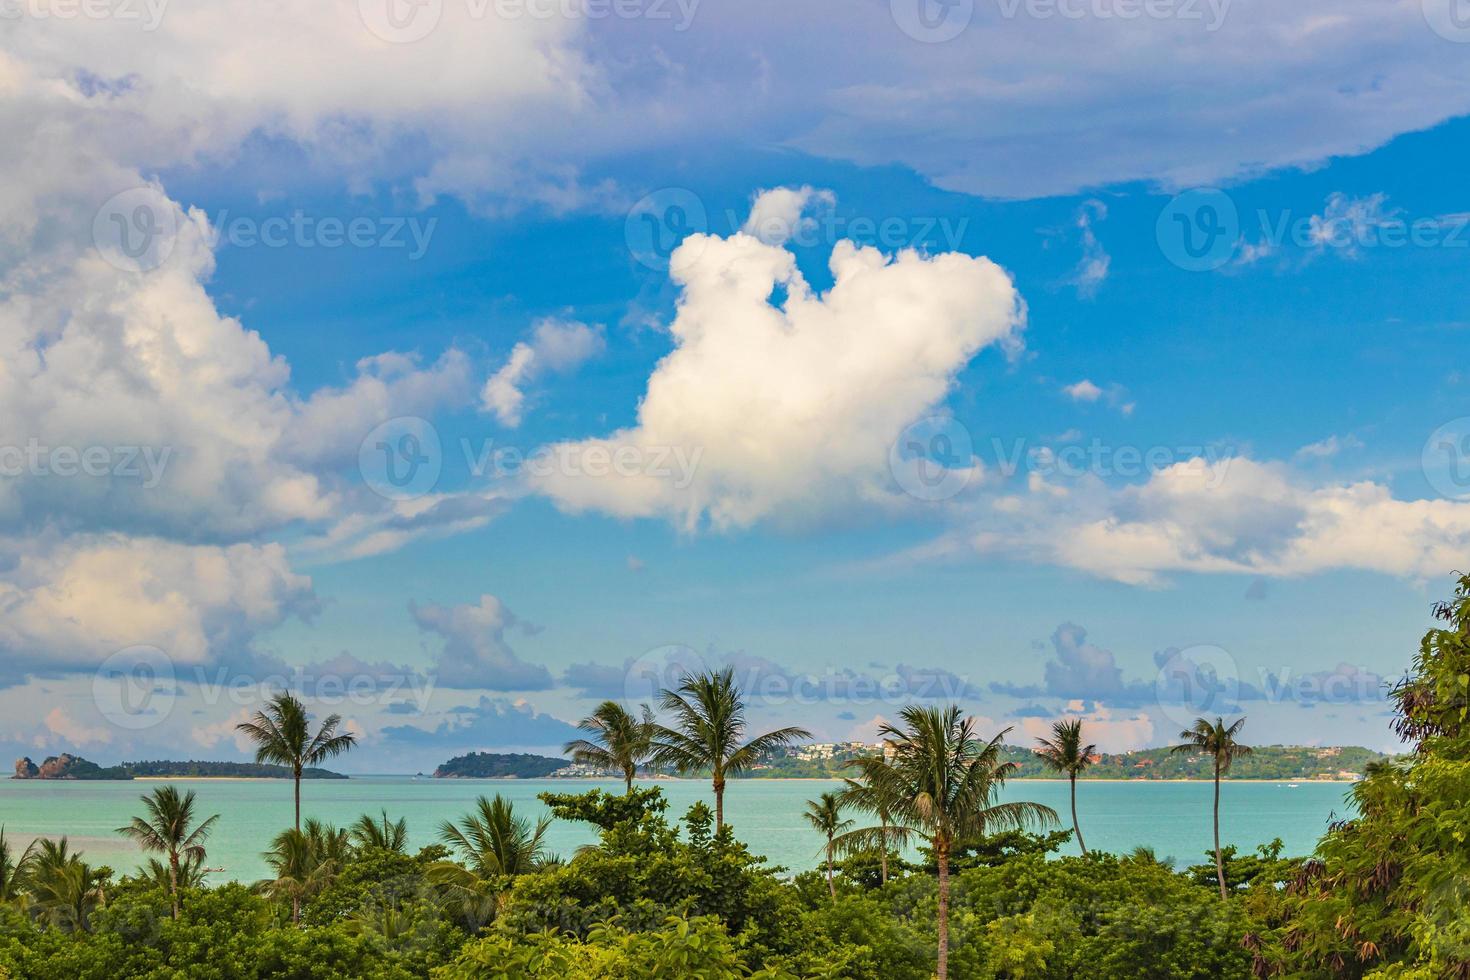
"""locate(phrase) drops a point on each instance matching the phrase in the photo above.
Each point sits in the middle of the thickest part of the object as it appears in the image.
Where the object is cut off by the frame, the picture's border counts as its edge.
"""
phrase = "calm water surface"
(1172, 818)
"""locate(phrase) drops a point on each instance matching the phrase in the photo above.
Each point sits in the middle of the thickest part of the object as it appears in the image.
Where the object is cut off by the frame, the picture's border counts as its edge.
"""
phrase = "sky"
(458, 364)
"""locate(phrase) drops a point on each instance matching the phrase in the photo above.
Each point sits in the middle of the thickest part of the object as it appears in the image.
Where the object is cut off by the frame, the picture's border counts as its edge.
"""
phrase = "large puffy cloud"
(782, 407)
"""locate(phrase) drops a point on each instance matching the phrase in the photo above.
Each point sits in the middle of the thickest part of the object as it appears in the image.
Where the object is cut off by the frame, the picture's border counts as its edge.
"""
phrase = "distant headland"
(68, 766)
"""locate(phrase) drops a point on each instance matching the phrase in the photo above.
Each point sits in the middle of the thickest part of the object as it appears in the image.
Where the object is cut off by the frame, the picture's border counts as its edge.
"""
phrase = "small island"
(68, 766)
(489, 765)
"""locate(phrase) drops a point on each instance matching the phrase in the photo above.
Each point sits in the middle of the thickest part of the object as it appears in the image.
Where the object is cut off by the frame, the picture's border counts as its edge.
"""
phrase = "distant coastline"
(71, 767)
(829, 761)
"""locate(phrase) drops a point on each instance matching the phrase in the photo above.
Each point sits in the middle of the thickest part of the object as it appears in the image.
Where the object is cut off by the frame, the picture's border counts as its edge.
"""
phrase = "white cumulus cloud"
(789, 407)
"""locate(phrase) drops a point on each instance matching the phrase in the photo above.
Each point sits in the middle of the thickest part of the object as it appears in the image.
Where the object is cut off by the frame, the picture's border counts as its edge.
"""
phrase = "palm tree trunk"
(297, 774)
(296, 910)
(831, 888)
(719, 803)
(941, 854)
(883, 855)
(628, 782)
(1219, 861)
(1076, 827)
(173, 881)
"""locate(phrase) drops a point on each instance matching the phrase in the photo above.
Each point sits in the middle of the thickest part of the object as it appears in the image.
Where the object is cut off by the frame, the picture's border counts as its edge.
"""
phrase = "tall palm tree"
(494, 844)
(881, 838)
(825, 814)
(282, 734)
(66, 889)
(1065, 753)
(623, 742)
(1218, 741)
(939, 782)
(709, 719)
(168, 829)
(384, 834)
(13, 868)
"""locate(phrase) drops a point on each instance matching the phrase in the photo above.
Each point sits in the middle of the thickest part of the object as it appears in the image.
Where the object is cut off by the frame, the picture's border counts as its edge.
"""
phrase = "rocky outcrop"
(66, 766)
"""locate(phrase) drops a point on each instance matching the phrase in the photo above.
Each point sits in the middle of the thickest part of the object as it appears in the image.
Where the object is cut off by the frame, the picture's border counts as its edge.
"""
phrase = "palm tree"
(494, 841)
(1219, 742)
(384, 834)
(282, 734)
(13, 870)
(191, 873)
(825, 814)
(494, 844)
(66, 889)
(709, 716)
(168, 830)
(303, 863)
(881, 838)
(1065, 753)
(623, 742)
(939, 782)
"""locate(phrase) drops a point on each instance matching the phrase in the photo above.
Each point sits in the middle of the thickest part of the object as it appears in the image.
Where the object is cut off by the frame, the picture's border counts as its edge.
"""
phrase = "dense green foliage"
(1386, 893)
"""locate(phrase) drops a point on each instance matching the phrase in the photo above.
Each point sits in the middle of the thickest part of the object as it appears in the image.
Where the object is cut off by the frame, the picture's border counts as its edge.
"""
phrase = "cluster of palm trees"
(707, 735)
(51, 883)
(936, 782)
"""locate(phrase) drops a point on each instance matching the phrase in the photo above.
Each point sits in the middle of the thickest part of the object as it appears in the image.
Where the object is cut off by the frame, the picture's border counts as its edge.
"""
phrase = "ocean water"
(1172, 818)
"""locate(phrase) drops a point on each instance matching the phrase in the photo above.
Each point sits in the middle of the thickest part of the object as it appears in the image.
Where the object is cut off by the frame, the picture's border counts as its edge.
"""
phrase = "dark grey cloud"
(476, 653)
(489, 724)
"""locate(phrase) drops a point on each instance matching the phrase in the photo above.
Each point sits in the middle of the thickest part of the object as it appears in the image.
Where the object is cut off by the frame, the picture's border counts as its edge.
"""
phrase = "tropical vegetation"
(925, 872)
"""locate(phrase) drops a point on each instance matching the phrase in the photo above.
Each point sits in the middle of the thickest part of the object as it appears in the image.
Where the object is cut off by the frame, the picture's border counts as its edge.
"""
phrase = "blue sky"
(1168, 468)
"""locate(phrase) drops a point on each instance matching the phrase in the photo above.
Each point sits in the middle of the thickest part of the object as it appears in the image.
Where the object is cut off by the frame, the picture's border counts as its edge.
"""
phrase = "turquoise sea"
(1172, 818)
